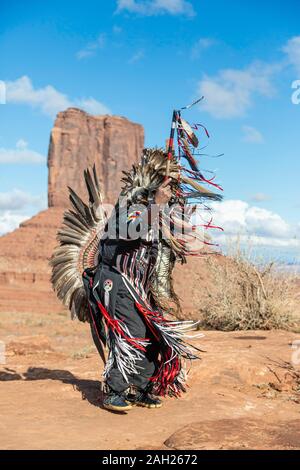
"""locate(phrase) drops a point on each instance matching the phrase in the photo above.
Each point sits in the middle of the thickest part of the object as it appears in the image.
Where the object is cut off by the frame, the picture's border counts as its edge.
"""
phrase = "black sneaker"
(144, 399)
(116, 402)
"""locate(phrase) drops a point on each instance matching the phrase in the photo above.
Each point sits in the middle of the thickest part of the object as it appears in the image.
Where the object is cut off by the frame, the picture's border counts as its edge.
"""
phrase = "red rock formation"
(78, 140)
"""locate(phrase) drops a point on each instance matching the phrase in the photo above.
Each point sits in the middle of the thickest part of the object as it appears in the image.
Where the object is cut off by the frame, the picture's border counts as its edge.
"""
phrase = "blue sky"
(140, 59)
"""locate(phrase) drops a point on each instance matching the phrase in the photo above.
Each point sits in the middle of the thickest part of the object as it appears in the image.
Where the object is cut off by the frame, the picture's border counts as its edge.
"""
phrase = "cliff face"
(78, 140)
(24, 269)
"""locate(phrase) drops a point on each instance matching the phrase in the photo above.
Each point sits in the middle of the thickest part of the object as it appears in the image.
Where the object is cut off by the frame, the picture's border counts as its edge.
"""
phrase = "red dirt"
(239, 395)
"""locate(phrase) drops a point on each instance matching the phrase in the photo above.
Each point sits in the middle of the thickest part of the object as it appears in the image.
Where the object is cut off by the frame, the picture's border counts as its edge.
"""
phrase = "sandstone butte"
(77, 140)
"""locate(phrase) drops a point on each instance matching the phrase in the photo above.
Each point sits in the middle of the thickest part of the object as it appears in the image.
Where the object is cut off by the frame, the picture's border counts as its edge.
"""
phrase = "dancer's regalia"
(116, 272)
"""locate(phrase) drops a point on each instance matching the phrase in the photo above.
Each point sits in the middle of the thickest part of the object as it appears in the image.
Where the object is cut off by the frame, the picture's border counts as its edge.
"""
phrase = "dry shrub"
(247, 296)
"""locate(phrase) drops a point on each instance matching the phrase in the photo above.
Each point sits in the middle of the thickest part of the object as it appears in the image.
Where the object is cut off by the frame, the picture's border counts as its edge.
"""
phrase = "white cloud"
(252, 135)
(200, 46)
(9, 221)
(47, 99)
(136, 57)
(21, 144)
(156, 7)
(253, 223)
(92, 106)
(21, 154)
(260, 197)
(264, 223)
(292, 49)
(16, 206)
(92, 48)
(230, 93)
(17, 199)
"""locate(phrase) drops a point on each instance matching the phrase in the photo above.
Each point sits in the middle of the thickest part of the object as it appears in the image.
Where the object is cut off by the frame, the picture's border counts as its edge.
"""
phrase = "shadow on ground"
(90, 390)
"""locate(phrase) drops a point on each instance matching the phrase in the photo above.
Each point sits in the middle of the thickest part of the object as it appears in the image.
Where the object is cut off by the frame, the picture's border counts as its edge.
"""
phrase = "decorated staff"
(171, 143)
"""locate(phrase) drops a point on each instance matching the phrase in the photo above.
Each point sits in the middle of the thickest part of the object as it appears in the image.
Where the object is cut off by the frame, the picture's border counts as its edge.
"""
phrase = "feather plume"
(193, 139)
(78, 239)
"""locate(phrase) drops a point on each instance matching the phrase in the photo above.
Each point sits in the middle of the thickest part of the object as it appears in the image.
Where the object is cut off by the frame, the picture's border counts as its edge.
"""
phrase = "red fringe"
(115, 326)
(196, 127)
(164, 379)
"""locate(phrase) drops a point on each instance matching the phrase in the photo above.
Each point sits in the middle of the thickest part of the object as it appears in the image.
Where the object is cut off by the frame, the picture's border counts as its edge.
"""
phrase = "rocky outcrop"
(79, 140)
(237, 434)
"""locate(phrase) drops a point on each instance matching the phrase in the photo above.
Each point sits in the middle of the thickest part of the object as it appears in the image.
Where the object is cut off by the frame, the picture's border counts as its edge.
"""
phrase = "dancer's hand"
(164, 193)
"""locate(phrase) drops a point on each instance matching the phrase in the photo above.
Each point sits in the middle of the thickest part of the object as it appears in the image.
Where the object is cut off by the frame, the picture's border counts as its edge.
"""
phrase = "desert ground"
(242, 394)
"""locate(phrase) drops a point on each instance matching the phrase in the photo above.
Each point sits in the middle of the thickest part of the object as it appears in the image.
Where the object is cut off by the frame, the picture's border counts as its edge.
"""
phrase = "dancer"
(116, 272)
